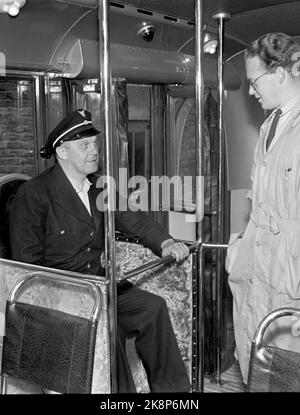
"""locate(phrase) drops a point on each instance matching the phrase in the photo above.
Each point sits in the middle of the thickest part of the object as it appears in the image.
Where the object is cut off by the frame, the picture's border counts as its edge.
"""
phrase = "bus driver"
(54, 222)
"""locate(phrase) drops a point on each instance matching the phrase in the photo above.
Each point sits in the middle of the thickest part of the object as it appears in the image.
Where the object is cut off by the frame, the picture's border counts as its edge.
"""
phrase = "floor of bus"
(231, 381)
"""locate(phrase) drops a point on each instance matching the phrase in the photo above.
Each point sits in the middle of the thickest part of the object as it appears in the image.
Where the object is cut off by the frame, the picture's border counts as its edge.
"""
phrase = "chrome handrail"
(268, 319)
(167, 259)
(155, 263)
(60, 278)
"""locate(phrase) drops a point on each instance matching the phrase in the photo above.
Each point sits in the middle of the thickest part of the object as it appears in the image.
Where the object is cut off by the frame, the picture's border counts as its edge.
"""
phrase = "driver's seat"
(9, 185)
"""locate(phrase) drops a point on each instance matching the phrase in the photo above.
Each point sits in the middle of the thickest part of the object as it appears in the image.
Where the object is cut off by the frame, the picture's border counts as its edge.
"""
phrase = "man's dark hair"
(274, 50)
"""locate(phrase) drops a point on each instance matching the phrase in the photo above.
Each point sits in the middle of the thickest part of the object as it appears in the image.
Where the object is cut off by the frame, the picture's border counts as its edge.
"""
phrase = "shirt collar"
(289, 105)
(84, 186)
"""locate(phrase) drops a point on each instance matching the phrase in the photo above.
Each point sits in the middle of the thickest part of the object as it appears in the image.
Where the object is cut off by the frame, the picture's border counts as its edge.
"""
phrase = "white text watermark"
(160, 193)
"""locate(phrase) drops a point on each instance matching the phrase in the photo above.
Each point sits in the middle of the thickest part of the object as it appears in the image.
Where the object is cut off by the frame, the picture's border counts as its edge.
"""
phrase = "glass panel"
(139, 102)
(139, 149)
(139, 130)
(17, 126)
(187, 161)
(86, 95)
(56, 103)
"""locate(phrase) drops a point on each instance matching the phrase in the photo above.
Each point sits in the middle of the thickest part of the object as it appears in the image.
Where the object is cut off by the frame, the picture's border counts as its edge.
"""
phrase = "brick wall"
(17, 152)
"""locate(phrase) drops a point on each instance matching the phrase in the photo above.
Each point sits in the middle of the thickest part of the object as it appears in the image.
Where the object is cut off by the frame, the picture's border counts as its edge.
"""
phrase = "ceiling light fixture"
(210, 43)
(12, 7)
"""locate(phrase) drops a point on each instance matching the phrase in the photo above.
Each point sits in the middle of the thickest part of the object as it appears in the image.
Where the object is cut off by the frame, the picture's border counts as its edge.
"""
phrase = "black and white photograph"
(149, 216)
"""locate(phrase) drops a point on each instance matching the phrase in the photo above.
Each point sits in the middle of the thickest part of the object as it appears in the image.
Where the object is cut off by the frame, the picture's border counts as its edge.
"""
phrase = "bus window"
(17, 126)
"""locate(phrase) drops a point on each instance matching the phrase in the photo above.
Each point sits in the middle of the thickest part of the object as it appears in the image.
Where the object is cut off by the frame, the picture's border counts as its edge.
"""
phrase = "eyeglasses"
(252, 83)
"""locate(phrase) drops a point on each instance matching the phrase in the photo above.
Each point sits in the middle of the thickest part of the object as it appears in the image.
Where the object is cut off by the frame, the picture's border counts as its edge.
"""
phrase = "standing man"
(264, 262)
(54, 222)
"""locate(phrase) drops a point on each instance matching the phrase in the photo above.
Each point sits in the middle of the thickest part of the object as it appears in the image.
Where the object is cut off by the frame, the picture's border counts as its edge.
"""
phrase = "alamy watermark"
(161, 193)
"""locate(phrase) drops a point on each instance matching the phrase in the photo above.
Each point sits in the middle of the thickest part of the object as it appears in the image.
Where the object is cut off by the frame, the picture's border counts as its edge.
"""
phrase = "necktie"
(273, 128)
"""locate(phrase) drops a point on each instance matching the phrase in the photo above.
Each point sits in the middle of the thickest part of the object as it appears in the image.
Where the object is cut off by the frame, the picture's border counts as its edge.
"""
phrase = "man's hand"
(178, 249)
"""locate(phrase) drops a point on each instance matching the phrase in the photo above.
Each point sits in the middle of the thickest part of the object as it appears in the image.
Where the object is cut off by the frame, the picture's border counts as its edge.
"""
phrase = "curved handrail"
(268, 319)
(13, 176)
(61, 278)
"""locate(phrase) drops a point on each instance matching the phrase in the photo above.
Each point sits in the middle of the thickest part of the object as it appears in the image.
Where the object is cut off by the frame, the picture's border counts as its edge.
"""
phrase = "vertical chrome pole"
(106, 112)
(41, 129)
(220, 18)
(3, 384)
(199, 384)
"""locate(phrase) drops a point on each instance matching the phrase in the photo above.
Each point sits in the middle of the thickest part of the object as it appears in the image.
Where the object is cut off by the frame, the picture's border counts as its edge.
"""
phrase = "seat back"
(173, 282)
(273, 369)
(9, 184)
(47, 347)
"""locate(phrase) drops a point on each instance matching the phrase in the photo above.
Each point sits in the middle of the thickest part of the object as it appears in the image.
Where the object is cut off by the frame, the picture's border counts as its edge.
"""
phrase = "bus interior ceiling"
(58, 39)
(47, 34)
(49, 64)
